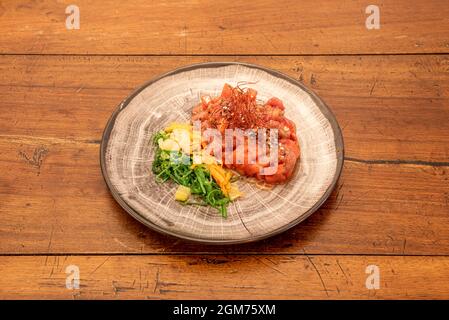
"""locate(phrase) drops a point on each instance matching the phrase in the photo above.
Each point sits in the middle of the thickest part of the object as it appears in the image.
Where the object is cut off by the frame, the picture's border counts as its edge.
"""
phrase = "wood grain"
(392, 109)
(58, 88)
(61, 205)
(211, 27)
(389, 107)
(224, 277)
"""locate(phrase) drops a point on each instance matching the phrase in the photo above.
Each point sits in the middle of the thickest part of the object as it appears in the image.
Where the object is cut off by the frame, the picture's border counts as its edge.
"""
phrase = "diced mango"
(183, 138)
(178, 125)
(182, 193)
(168, 144)
(234, 192)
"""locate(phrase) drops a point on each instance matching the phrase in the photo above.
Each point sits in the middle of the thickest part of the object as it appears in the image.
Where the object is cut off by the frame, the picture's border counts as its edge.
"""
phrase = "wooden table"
(389, 89)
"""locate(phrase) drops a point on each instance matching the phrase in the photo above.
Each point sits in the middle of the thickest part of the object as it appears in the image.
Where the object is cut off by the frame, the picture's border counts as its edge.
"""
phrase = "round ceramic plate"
(127, 153)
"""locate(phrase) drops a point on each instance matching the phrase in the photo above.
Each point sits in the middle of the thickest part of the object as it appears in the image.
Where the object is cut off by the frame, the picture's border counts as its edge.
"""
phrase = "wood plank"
(387, 106)
(211, 27)
(54, 200)
(224, 277)
(393, 111)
